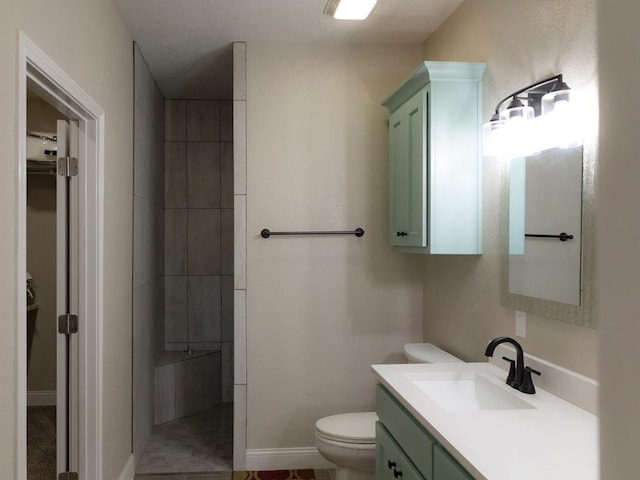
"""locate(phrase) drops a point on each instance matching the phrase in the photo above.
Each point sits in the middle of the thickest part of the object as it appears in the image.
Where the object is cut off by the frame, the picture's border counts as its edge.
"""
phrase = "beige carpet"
(41, 443)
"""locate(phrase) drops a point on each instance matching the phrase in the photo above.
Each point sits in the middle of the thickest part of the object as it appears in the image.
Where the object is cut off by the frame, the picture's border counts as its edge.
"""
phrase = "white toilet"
(349, 439)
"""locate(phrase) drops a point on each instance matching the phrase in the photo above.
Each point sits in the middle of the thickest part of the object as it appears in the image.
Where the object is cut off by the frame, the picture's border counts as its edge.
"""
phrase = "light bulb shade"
(492, 133)
(517, 113)
(494, 123)
(556, 99)
(354, 9)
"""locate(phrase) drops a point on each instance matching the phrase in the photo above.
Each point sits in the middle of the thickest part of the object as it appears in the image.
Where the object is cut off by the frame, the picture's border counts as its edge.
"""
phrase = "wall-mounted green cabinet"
(435, 164)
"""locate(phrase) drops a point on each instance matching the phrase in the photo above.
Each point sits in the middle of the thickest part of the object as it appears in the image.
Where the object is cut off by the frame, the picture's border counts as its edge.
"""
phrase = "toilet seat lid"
(350, 427)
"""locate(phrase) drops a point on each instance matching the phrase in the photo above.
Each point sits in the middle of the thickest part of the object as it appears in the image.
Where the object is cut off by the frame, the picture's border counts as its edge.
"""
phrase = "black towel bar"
(563, 237)
(358, 232)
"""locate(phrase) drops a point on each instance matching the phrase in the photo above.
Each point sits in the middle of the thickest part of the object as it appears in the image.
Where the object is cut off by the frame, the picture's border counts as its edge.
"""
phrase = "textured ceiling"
(187, 43)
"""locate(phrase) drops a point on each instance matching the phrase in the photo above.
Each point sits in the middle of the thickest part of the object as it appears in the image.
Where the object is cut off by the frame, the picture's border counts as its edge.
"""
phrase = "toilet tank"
(428, 353)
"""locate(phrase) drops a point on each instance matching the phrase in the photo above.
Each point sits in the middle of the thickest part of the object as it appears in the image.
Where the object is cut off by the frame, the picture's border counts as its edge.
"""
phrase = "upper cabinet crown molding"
(427, 72)
(435, 160)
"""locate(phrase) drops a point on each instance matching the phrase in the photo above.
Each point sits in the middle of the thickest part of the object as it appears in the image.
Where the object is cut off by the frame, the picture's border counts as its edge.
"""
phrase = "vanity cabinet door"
(391, 462)
(416, 443)
(407, 172)
(446, 468)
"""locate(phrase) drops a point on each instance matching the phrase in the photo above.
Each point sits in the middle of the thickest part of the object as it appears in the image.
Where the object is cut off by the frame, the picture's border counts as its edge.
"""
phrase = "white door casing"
(56, 87)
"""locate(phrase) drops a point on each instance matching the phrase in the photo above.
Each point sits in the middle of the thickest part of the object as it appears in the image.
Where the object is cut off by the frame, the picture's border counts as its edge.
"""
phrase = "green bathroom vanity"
(435, 160)
(460, 421)
(405, 450)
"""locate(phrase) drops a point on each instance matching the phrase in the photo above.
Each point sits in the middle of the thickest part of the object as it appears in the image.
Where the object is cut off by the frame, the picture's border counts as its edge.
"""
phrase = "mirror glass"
(545, 225)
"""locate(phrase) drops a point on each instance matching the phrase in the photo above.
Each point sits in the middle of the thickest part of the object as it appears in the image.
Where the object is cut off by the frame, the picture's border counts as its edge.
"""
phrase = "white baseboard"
(129, 470)
(40, 398)
(286, 458)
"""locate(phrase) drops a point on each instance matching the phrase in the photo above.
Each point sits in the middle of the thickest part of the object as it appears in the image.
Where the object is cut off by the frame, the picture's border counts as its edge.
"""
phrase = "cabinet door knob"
(390, 464)
(397, 473)
(401, 234)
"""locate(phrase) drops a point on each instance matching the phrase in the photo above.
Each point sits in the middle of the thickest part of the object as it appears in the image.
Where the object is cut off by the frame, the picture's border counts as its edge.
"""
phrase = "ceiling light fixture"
(349, 9)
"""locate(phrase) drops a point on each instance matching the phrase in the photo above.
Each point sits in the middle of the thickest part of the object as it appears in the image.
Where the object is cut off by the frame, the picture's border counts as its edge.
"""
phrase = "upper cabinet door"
(435, 160)
(407, 170)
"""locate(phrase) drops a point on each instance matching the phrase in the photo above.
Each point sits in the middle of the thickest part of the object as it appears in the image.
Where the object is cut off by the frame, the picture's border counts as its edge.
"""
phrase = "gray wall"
(618, 236)
(321, 310)
(462, 309)
(148, 246)
(198, 261)
(96, 54)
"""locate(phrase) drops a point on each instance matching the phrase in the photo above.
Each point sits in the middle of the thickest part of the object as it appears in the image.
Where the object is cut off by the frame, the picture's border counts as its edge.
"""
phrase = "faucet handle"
(527, 382)
(512, 371)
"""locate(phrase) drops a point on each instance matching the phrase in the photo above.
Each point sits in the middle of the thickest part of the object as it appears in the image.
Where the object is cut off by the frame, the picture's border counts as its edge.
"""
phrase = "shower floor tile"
(201, 442)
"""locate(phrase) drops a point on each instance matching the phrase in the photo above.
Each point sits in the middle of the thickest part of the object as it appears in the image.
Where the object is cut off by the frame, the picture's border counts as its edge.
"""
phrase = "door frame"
(53, 84)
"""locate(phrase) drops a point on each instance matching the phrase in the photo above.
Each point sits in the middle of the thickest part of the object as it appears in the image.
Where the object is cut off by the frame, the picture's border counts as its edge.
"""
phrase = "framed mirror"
(547, 234)
(545, 225)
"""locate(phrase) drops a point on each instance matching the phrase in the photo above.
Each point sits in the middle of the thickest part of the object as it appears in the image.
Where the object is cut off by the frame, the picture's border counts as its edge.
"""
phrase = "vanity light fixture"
(349, 9)
(536, 118)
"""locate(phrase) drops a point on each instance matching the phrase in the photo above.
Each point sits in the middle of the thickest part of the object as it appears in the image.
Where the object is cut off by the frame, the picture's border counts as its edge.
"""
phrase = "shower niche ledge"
(186, 383)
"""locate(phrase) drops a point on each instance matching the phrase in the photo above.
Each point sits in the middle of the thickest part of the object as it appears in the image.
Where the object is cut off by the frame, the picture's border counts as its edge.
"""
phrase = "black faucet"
(520, 376)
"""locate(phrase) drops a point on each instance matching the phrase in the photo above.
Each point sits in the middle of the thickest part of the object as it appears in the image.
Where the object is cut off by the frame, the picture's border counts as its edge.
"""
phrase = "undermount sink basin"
(455, 391)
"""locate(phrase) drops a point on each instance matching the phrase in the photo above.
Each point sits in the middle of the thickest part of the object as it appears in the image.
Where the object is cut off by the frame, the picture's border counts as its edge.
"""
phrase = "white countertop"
(553, 440)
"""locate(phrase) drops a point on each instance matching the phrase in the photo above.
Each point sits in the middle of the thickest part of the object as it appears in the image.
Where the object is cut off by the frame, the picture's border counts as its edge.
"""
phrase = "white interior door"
(67, 300)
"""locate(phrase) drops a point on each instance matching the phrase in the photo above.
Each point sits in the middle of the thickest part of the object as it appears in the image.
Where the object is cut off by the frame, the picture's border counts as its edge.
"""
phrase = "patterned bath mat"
(306, 474)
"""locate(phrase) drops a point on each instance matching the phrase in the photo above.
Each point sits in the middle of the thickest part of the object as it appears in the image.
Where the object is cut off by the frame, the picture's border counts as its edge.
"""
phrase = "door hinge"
(67, 166)
(68, 476)
(68, 324)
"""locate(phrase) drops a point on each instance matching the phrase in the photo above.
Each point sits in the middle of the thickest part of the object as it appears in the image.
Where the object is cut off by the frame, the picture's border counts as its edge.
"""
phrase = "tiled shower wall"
(148, 246)
(198, 254)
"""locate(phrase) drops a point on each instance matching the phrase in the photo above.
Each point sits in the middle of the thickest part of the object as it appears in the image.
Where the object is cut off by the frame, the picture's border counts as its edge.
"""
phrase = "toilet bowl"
(348, 440)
